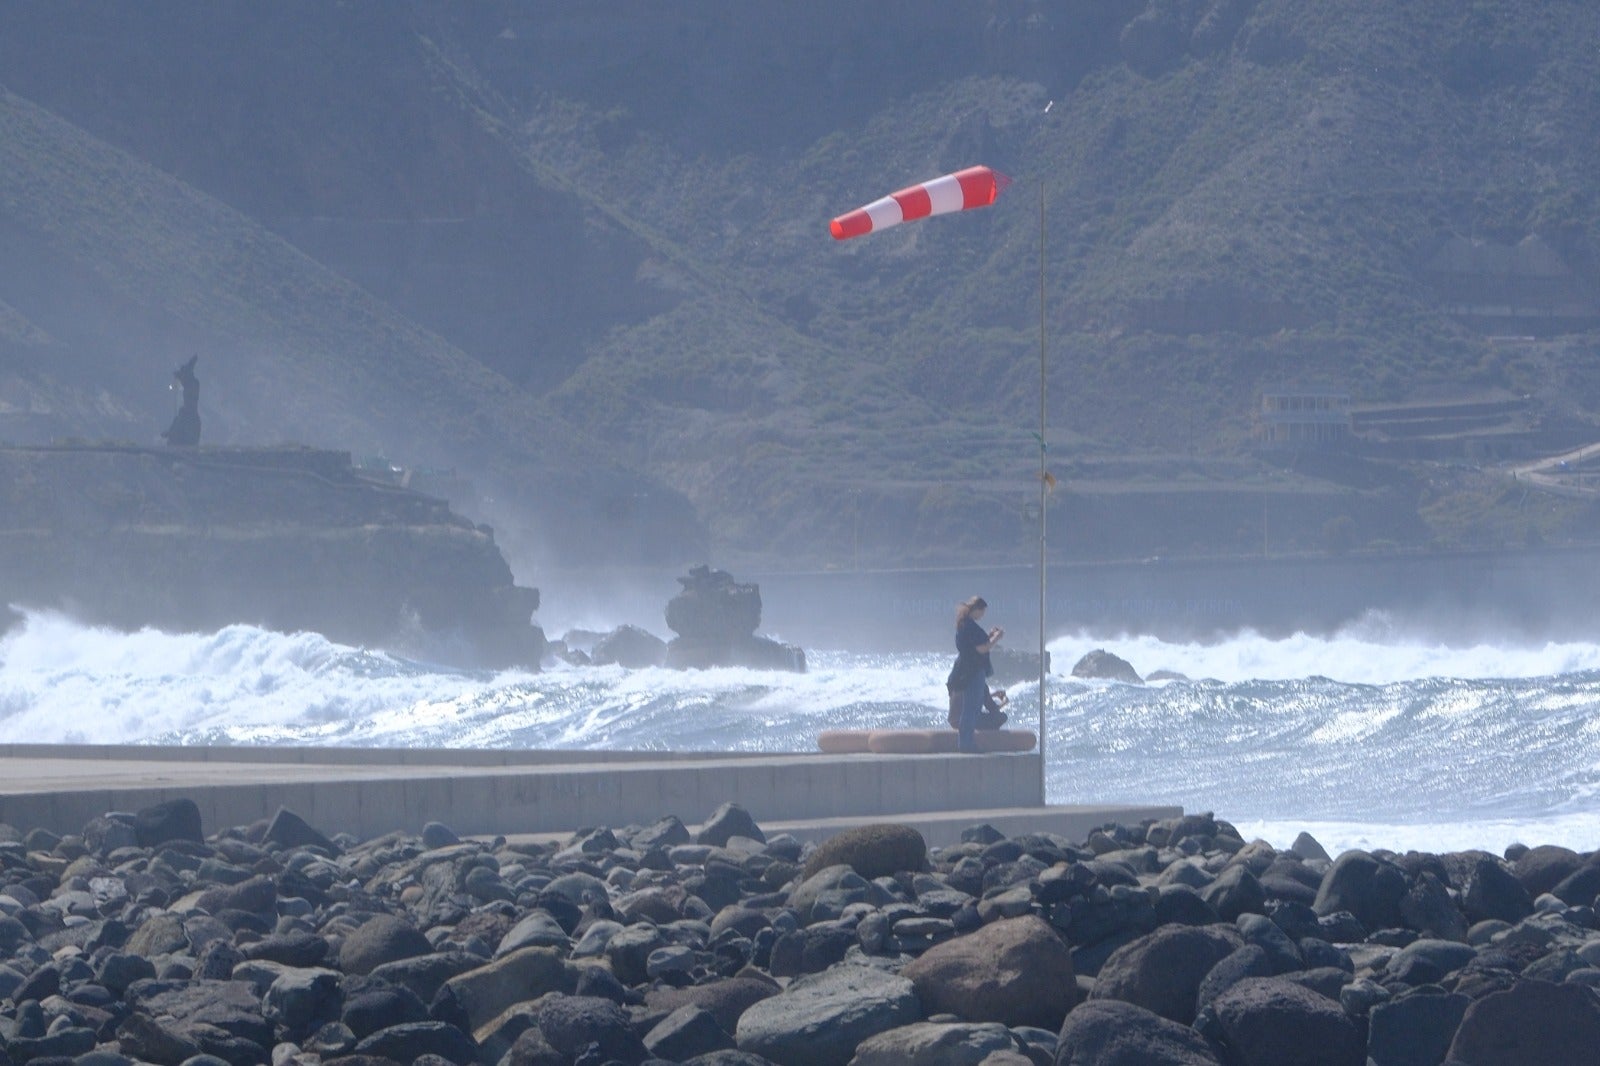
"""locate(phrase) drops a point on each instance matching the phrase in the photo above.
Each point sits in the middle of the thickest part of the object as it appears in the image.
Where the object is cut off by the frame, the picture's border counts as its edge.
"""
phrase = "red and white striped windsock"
(961, 191)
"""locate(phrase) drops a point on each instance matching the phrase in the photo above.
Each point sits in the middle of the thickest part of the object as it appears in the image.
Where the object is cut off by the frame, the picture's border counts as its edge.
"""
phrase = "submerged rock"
(1106, 666)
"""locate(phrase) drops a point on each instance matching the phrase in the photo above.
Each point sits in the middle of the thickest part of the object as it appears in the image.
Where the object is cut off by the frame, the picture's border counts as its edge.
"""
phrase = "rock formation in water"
(287, 538)
(715, 619)
(1102, 664)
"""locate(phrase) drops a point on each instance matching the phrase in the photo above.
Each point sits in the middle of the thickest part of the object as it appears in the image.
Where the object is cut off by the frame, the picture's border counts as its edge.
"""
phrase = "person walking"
(971, 671)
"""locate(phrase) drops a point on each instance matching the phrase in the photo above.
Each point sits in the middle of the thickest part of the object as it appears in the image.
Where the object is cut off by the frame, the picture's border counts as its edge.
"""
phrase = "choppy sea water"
(1366, 739)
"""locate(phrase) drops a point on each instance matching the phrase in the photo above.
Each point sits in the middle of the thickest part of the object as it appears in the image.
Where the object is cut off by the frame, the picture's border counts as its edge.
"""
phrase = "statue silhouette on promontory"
(185, 428)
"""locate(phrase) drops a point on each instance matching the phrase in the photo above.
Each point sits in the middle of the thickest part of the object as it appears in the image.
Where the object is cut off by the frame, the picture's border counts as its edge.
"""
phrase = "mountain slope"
(129, 270)
(620, 206)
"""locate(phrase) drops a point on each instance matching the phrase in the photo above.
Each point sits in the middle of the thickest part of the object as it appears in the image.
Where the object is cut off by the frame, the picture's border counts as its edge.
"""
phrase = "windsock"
(961, 191)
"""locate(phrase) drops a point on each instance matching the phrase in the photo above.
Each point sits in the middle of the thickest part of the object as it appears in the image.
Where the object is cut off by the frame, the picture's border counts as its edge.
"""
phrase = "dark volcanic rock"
(292, 831)
(408, 1041)
(630, 647)
(1102, 664)
(379, 940)
(293, 538)
(934, 1042)
(378, 1005)
(819, 1020)
(880, 850)
(685, 1033)
(1235, 891)
(572, 1023)
(1364, 886)
(1533, 1022)
(1414, 1029)
(1542, 868)
(1581, 886)
(974, 937)
(1248, 961)
(1267, 1021)
(715, 619)
(1162, 971)
(1427, 908)
(726, 822)
(1015, 971)
(725, 1000)
(177, 819)
(1109, 1032)
(1492, 891)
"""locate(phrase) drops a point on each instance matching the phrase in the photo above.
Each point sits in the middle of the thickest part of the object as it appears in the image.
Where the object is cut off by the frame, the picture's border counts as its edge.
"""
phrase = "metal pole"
(1044, 512)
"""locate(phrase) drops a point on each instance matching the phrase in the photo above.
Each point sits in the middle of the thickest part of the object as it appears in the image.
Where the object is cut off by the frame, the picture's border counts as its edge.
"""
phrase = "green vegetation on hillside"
(595, 238)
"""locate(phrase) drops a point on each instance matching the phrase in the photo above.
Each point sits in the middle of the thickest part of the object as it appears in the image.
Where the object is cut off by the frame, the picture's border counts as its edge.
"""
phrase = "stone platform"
(371, 791)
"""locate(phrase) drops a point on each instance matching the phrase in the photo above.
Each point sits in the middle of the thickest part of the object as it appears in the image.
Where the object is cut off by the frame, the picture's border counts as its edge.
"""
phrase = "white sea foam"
(1370, 652)
(1379, 739)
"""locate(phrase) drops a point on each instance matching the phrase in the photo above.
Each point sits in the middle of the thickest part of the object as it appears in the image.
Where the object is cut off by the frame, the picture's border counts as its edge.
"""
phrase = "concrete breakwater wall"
(369, 792)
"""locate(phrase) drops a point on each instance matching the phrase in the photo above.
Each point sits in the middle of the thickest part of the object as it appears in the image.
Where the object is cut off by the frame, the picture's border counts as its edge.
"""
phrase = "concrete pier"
(371, 791)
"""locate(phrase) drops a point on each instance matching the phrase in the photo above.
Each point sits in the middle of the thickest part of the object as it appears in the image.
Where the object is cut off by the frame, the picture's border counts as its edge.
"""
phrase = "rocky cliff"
(287, 538)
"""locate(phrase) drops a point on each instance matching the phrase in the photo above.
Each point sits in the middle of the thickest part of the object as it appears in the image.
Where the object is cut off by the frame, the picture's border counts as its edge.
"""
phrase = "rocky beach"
(149, 938)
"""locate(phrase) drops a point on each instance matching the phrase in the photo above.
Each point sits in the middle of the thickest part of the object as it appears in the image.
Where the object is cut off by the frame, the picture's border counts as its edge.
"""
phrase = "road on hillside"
(1561, 474)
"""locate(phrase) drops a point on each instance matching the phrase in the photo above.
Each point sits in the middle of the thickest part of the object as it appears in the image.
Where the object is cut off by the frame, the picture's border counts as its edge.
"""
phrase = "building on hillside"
(1300, 416)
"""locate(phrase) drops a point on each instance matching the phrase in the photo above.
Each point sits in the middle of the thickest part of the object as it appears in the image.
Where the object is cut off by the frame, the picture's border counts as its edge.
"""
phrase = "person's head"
(972, 608)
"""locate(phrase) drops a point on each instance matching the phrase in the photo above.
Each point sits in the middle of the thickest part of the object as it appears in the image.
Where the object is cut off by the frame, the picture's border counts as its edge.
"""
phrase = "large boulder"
(379, 940)
(159, 934)
(725, 1000)
(1365, 886)
(685, 1033)
(1581, 886)
(726, 822)
(177, 819)
(1235, 891)
(1249, 961)
(1414, 1029)
(573, 1023)
(205, 1009)
(1542, 868)
(1427, 961)
(880, 850)
(834, 882)
(1162, 971)
(424, 975)
(1531, 1022)
(523, 975)
(538, 929)
(933, 1044)
(1428, 908)
(819, 1020)
(292, 831)
(1269, 1021)
(1109, 1032)
(1493, 892)
(1016, 972)
(410, 1041)
(302, 999)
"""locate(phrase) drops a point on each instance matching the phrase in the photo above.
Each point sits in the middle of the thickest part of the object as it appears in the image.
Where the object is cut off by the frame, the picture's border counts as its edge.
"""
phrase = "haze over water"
(1366, 738)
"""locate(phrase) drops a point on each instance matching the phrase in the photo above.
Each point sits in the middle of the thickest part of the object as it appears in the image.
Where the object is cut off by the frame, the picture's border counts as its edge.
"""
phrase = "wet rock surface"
(147, 939)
